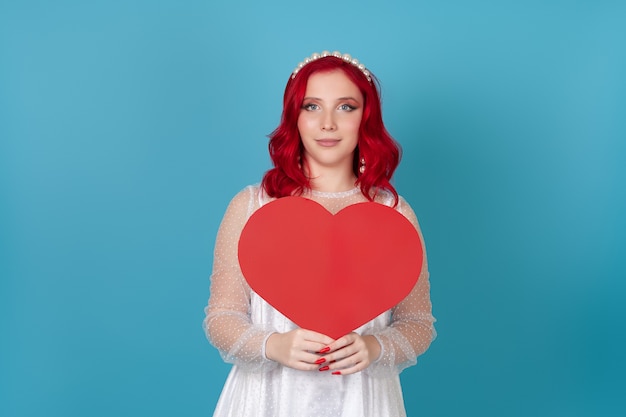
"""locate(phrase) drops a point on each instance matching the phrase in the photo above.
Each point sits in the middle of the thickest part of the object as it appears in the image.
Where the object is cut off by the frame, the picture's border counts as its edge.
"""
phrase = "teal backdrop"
(127, 126)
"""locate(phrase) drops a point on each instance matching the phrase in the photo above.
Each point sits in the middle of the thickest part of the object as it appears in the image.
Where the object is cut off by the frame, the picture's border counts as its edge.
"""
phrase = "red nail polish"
(326, 349)
(320, 361)
(324, 368)
(336, 373)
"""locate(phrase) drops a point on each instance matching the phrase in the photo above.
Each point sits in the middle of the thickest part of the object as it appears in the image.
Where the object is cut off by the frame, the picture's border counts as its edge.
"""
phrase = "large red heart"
(330, 273)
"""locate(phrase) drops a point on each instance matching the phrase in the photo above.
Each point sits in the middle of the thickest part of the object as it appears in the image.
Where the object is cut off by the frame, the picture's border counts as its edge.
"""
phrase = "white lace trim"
(338, 194)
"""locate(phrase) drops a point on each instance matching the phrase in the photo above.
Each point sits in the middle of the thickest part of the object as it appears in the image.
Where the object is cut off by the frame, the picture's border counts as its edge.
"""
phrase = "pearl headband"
(336, 54)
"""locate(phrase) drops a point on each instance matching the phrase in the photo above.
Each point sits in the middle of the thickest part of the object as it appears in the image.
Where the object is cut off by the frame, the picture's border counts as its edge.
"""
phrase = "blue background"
(126, 127)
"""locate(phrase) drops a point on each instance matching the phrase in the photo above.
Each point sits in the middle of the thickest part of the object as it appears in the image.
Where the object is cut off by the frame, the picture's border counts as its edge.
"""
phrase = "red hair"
(376, 146)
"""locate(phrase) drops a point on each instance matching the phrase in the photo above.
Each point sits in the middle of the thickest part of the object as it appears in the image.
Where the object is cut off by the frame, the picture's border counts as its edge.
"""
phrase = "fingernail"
(320, 360)
(324, 368)
(326, 349)
(336, 373)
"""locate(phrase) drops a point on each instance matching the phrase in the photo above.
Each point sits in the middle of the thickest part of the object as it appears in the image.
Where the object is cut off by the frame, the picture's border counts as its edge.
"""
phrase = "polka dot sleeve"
(412, 325)
(227, 323)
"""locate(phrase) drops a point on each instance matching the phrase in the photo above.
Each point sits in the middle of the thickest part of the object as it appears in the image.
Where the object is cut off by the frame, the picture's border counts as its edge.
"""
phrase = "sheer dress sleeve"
(412, 324)
(227, 317)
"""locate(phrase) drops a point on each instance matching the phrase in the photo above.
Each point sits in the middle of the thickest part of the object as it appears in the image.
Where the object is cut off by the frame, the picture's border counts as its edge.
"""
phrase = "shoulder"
(244, 202)
(403, 205)
(407, 211)
(251, 198)
(244, 195)
(385, 197)
(388, 199)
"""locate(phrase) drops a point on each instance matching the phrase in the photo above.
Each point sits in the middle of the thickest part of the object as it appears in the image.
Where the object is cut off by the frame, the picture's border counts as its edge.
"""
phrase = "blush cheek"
(306, 124)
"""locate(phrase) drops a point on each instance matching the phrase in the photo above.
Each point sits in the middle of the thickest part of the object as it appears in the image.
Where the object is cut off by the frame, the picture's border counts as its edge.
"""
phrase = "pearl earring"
(362, 166)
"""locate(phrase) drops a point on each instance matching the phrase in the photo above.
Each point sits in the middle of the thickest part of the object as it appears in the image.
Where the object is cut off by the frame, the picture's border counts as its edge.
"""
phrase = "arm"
(411, 329)
(227, 323)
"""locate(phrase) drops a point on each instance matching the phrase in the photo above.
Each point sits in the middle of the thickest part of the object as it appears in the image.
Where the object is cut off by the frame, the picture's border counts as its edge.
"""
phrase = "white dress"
(238, 323)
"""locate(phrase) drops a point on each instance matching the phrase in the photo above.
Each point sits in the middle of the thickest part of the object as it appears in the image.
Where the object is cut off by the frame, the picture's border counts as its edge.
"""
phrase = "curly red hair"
(376, 146)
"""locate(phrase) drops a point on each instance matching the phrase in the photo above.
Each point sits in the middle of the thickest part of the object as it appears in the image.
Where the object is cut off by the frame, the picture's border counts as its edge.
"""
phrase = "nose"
(328, 121)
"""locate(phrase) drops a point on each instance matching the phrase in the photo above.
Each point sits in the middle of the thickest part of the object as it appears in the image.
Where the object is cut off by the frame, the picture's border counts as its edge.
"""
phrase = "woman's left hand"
(350, 354)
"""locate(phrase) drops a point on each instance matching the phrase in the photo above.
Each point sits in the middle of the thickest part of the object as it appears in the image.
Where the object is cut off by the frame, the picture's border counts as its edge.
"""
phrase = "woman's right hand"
(297, 349)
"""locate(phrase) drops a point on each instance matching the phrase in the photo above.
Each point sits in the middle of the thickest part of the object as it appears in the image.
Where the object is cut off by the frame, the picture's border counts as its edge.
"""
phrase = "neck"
(330, 178)
(329, 182)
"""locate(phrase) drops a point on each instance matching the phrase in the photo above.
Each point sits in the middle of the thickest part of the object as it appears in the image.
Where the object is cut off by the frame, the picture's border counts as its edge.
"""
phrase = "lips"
(327, 142)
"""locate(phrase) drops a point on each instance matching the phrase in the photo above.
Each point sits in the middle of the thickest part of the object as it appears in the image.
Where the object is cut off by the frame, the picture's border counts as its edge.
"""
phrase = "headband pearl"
(346, 57)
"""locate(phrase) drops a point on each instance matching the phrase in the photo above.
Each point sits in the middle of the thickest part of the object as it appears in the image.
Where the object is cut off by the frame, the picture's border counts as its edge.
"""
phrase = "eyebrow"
(338, 99)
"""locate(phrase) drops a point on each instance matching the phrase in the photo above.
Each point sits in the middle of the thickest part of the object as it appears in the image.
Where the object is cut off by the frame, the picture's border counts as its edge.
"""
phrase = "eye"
(347, 107)
(310, 107)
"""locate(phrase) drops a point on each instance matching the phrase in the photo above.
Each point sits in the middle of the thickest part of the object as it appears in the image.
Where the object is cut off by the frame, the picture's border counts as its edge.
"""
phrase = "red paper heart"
(330, 273)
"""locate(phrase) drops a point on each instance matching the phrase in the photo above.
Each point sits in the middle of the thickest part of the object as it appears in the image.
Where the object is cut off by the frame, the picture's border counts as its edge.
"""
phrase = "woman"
(331, 147)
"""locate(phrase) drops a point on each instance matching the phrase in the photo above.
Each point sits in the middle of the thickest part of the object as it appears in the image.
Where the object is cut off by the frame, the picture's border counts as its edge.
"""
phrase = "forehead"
(332, 84)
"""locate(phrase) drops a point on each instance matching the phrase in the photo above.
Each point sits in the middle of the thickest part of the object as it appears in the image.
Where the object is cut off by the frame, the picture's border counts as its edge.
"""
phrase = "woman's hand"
(297, 349)
(350, 354)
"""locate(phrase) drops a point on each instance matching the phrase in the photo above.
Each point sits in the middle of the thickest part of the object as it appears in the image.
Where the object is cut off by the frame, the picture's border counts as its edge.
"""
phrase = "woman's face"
(329, 121)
